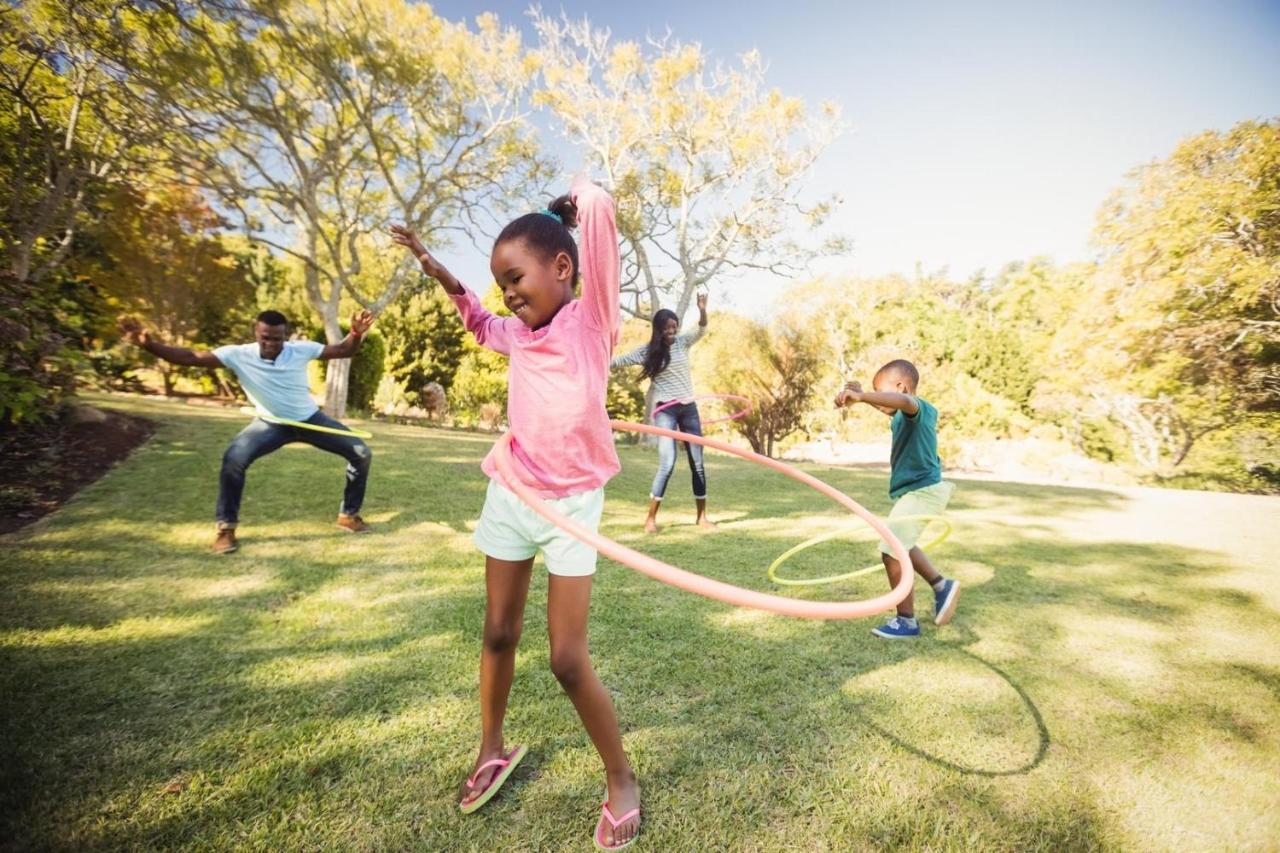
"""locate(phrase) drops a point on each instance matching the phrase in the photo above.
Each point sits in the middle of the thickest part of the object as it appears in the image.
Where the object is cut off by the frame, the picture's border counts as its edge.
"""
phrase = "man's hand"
(702, 302)
(360, 322)
(851, 393)
(132, 330)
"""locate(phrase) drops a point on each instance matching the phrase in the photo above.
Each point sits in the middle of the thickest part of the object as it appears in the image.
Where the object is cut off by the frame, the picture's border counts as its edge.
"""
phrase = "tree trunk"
(337, 372)
(166, 375)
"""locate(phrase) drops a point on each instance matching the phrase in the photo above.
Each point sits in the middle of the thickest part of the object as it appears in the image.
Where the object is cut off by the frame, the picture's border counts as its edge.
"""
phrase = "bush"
(366, 367)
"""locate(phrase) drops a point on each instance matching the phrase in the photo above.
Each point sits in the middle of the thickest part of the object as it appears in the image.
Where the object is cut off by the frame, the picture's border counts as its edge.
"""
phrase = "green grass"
(1112, 679)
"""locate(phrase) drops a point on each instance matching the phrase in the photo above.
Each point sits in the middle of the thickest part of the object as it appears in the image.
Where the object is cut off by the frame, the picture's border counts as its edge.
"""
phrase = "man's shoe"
(226, 542)
(352, 523)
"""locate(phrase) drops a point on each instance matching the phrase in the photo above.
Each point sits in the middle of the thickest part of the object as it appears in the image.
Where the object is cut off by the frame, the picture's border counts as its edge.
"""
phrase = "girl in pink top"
(559, 349)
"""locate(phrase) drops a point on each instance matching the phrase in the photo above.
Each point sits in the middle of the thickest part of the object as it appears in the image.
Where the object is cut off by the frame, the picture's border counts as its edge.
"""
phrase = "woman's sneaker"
(898, 628)
(944, 601)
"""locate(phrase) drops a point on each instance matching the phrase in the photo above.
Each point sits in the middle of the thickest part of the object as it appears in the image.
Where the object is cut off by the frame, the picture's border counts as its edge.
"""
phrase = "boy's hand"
(132, 330)
(361, 321)
(851, 393)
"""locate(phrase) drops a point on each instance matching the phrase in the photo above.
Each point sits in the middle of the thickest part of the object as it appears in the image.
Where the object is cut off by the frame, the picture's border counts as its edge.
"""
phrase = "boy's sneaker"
(944, 601)
(352, 523)
(226, 542)
(898, 628)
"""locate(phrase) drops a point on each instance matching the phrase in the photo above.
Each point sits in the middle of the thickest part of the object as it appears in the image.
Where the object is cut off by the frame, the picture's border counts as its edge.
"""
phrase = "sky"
(979, 133)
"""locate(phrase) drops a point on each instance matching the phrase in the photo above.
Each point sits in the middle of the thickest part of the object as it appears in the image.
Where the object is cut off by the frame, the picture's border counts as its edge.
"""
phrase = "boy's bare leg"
(923, 568)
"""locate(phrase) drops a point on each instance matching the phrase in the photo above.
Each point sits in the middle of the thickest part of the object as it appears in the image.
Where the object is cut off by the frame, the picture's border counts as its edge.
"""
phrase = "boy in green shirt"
(915, 484)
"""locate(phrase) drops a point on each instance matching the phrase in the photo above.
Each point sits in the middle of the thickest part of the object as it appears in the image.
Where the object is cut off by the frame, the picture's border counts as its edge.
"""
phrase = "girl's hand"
(402, 236)
(361, 321)
(702, 302)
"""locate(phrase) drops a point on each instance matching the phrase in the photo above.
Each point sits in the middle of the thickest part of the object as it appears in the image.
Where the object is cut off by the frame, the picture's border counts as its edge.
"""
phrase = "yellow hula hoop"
(272, 419)
(818, 540)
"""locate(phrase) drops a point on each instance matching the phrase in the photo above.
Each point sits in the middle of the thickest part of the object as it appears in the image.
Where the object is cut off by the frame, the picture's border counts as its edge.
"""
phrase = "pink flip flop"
(605, 814)
(507, 764)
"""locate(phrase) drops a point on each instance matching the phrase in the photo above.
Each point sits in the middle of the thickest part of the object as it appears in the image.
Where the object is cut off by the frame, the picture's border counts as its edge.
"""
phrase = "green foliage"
(366, 371)
(777, 367)
(424, 341)
(45, 328)
(479, 395)
(367, 365)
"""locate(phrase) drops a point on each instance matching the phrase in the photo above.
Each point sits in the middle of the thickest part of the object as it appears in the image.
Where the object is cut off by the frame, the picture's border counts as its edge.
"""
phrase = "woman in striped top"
(666, 364)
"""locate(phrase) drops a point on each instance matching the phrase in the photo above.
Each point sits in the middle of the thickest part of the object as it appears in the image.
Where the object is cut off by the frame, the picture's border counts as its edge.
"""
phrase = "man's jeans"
(262, 437)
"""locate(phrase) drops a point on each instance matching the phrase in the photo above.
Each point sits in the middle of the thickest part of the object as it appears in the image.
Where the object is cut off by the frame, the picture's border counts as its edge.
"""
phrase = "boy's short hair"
(901, 367)
(272, 318)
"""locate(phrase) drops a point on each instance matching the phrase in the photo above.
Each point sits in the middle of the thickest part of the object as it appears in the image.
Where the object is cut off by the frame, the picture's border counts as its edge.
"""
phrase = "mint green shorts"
(510, 530)
(931, 500)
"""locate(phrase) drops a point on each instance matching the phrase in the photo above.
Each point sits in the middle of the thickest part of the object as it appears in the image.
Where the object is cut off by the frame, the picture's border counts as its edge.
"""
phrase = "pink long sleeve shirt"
(556, 378)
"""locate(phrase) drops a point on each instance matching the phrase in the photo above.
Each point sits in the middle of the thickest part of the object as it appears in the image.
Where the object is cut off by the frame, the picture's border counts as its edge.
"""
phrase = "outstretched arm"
(853, 393)
(135, 334)
(636, 356)
(489, 330)
(346, 348)
(403, 236)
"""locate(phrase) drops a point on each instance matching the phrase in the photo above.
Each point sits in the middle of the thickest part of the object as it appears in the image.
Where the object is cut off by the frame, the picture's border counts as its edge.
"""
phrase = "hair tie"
(552, 214)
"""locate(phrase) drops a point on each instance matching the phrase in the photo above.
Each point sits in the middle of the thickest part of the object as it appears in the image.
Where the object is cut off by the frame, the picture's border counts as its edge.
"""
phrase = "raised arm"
(691, 338)
(598, 255)
(346, 348)
(636, 356)
(489, 330)
(135, 334)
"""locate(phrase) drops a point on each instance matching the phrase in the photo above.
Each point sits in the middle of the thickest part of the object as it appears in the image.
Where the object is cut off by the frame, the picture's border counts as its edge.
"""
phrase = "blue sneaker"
(944, 601)
(898, 628)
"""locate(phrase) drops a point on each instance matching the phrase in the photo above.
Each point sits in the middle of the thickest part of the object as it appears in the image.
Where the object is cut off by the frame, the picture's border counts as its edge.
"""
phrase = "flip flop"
(605, 814)
(507, 764)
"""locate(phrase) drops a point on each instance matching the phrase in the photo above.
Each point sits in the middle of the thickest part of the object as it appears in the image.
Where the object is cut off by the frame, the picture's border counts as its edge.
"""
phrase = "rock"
(80, 414)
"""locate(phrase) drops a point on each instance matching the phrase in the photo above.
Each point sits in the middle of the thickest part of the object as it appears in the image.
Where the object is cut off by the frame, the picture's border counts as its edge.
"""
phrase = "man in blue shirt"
(273, 372)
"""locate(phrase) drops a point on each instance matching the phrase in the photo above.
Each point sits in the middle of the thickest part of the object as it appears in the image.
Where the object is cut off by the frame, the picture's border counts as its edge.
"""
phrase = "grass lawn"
(1111, 680)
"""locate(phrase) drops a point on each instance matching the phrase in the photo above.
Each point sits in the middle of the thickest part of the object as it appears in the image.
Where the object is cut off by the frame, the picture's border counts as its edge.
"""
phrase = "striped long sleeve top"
(674, 383)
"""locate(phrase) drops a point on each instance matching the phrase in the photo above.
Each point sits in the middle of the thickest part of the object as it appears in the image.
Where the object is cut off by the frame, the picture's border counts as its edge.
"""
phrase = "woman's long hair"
(658, 355)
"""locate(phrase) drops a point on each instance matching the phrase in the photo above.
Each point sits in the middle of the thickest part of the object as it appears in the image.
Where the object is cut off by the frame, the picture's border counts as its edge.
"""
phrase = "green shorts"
(931, 500)
(510, 530)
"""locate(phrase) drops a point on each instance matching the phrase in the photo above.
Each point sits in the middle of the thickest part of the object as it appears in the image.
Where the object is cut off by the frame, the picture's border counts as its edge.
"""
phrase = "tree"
(706, 164)
(424, 341)
(66, 131)
(161, 254)
(319, 121)
(1191, 265)
(778, 369)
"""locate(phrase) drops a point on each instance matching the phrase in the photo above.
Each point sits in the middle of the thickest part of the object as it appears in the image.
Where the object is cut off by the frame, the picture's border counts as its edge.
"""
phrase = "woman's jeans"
(682, 417)
(262, 437)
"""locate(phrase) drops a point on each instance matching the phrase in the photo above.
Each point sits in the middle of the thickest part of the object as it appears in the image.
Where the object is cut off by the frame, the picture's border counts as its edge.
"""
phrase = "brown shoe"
(226, 542)
(352, 523)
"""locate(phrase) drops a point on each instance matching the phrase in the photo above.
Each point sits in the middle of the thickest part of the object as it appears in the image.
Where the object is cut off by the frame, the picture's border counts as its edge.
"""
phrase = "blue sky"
(981, 133)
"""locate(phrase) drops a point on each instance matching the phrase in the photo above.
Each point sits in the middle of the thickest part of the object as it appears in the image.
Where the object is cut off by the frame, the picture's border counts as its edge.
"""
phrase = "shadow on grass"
(1042, 730)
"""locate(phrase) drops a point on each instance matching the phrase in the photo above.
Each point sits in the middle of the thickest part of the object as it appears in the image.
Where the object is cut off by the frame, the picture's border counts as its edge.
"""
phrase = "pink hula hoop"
(732, 417)
(714, 589)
